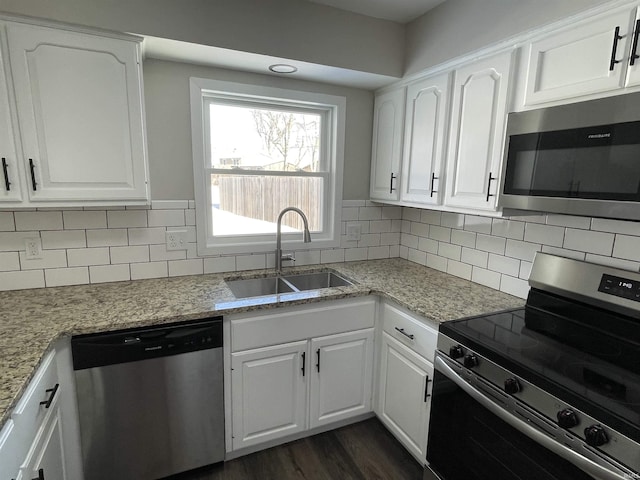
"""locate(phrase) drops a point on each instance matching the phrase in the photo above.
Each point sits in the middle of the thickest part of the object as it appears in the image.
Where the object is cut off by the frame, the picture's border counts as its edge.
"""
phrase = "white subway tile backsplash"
(499, 263)
(391, 238)
(6, 222)
(355, 254)
(486, 277)
(411, 214)
(369, 240)
(419, 229)
(589, 242)
(14, 241)
(449, 251)
(49, 259)
(179, 268)
(501, 227)
(463, 238)
(307, 257)
(525, 270)
(20, 280)
(544, 234)
(332, 256)
(452, 220)
(380, 226)
(521, 250)
(405, 226)
(491, 244)
(218, 264)
(474, 257)
(403, 252)
(569, 221)
(38, 220)
(160, 253)
(427, 245)
(9, 261)
(166, 218)
(477, 224)
(392, 213)
(63, 239)
(417, 256)
(113, 237)
(58, 277)
(616, 226)
(140, 271)
(459, 269)
(408, 240)
(250, 262)
(190, 217)
(627, 247)
(431, 217)
(396, 225)
(75, 220)
(375, 253)
(126, 218)
(370, 213)
(514, 286)
(394, 251)
(147, 236)
(82, 257)
(132, 254)
(110, 273)
(442, 234)
(349, 213)
(436, 262)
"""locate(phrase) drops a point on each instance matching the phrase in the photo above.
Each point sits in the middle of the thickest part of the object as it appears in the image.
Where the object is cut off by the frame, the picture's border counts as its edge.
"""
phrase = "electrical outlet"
(33, 248)
(176, 240)
(354, 231)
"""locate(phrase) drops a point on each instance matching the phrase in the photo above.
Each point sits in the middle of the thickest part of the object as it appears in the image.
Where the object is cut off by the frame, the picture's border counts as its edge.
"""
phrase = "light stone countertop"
(31, 320)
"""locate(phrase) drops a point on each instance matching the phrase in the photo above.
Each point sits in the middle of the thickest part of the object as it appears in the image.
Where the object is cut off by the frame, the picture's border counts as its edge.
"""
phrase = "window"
(257, 150)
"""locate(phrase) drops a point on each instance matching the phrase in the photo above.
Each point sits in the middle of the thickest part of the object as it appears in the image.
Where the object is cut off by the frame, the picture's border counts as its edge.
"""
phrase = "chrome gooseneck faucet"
(306, 237)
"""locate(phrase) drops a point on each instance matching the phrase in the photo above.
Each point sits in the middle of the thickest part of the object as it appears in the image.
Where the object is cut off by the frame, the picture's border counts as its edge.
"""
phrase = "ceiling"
(401, 11)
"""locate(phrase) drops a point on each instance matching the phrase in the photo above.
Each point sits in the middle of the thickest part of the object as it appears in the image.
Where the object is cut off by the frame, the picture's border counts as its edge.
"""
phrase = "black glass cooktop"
(584, 355)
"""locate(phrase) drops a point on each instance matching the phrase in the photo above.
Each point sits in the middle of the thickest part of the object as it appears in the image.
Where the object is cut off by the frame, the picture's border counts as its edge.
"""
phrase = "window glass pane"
(252, 138)
(250, 204)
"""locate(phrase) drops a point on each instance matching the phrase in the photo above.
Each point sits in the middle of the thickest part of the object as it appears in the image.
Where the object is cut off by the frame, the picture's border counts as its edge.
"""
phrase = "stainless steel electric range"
(548, 391)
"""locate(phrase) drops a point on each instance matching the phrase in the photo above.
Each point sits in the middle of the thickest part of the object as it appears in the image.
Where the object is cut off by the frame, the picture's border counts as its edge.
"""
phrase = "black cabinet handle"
(616, 37)
(304, 358)
(401, 330)
(7, 183)
(491, 179)
(318, 364)
(426, 389)
(433, 179)
(52, 392)
(634, 48)
(32, 167)
(40, 475)
(391, 189)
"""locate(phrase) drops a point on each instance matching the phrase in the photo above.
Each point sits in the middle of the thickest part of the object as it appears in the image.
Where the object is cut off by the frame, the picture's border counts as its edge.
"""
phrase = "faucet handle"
(291, 257)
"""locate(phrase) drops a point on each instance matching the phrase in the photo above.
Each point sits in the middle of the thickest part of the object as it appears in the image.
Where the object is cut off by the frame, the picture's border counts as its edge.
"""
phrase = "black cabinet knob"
(456, 351)
(470, 360)
(595, 436)
(511, 385)
(567, 418)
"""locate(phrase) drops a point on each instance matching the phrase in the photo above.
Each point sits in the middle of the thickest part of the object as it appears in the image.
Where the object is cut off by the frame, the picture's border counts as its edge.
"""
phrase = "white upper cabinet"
(424, 139)
(80, 115)
(10, 179)
(589, 57)
(476, 137)
(386, 152)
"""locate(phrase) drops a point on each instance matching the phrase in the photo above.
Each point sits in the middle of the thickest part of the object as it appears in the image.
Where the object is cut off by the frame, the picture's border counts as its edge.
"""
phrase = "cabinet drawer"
(402, 326)
(298, 323)
(30, 412)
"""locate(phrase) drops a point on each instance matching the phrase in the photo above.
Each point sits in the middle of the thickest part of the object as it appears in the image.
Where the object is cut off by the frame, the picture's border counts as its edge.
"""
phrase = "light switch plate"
(354, 231)
(176, 240)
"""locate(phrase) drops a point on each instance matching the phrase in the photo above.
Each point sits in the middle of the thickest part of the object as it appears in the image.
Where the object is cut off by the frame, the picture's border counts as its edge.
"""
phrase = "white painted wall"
(457, 27)
(169, 128)
(292, 29)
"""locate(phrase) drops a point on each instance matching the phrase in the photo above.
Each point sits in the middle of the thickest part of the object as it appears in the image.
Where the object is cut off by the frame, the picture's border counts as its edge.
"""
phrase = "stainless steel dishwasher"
(150, 400)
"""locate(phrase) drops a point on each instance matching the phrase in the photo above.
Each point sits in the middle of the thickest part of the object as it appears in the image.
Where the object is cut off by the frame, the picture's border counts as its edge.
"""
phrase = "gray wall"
(457, 27)
(292, 29)
(169, 126)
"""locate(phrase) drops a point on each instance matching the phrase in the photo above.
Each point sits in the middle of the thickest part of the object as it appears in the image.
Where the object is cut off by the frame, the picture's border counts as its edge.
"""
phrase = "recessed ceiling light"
(282, 68)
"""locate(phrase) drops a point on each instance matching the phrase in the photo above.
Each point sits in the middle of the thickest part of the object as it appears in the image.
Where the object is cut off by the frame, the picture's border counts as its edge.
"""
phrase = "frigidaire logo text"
(599, 135)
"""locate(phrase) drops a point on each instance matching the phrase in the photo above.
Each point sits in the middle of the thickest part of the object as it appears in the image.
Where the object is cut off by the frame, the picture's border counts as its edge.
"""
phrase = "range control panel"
(620, 287)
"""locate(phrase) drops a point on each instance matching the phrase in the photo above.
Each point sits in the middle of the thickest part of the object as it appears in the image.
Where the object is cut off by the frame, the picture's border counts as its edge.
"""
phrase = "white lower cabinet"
(323, 374)
(403, 405)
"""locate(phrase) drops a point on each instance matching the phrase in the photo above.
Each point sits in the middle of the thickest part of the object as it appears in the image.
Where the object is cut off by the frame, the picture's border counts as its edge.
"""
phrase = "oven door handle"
(597, 471)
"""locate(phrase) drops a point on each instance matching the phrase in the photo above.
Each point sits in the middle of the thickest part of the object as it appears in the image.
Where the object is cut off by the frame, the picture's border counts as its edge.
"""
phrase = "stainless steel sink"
(256, 287)
(316, 281)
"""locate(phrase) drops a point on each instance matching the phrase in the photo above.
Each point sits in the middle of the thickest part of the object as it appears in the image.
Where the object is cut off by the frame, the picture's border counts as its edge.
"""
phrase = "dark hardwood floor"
(363, 451)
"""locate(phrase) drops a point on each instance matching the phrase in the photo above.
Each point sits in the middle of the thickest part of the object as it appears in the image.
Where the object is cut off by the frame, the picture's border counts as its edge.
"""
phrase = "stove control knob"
(456, 351)
(567, 418)
(511, 385)
(470, 360)
(595, 435)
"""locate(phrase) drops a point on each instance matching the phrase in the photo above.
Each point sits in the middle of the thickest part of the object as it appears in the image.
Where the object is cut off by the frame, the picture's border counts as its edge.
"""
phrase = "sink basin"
(256, 287)
(315, 281)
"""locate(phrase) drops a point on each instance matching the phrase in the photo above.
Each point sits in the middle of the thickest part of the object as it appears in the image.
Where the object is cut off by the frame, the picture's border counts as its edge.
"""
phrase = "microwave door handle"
(596, 471)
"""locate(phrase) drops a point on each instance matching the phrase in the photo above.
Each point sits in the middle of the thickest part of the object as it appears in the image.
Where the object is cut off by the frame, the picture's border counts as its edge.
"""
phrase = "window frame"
(333, 111)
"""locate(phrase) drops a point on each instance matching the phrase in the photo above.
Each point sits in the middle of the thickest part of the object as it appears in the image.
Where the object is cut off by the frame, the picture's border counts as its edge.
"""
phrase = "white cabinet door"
(386, 151)
(580, 59)
(269, 393)
(404, 395)
(633, 68)
(425, 129)
(48, 461)
(10, 178)
(476, 138)
(341, 376)
(79, 103)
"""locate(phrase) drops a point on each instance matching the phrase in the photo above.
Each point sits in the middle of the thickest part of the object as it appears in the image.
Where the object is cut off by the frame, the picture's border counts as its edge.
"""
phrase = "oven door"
(472, 437)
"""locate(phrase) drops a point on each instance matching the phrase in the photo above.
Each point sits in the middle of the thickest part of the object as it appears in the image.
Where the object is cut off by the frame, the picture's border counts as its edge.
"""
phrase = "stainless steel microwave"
(579, 159)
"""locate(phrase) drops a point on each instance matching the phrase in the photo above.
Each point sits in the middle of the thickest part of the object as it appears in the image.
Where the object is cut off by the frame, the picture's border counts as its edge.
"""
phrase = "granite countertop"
(31, 320)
